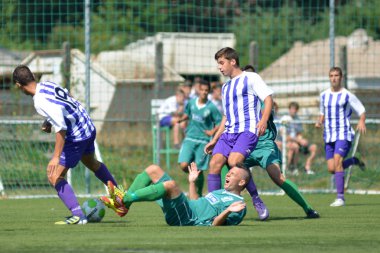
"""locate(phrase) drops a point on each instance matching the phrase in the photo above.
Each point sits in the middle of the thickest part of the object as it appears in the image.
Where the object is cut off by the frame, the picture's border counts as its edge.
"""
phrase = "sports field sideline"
(28, 226)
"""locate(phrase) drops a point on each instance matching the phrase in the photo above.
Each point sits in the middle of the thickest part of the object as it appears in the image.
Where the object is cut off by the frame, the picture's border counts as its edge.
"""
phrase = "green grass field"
(28, 226)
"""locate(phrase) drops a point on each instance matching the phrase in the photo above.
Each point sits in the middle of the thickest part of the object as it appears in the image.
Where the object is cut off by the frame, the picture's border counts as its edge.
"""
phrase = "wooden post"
(254, 55)
(343, 64)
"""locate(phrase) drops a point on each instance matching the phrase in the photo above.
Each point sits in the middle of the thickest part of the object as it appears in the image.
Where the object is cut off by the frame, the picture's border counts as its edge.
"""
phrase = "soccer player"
(268, 156)
(204, 119)
(241, 123)
(170, 111)
(336, 104)
(220, 207)
(74, 134)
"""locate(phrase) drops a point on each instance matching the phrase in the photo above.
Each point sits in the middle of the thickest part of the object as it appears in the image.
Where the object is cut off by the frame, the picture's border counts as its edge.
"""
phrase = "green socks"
(292, 191)
(141, 180)
(199, 183)
(149, 193)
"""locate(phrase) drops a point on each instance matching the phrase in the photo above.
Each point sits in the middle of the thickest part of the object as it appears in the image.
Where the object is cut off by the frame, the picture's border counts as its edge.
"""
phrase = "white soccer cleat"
(337, 203)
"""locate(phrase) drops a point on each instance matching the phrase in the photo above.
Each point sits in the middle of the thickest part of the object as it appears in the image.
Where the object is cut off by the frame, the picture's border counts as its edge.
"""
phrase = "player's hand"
(46, 127)
(318, 124)
(261, 127)
(361, 128)
(236, 206)
(193, 172)
(52, 166)
(209, 132)
(209, 147)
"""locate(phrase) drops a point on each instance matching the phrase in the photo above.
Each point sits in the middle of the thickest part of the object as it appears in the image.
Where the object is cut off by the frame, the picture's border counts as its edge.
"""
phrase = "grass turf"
(28, 226)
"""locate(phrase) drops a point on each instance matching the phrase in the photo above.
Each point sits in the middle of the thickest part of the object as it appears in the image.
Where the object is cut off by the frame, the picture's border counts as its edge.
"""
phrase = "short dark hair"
(204, 82)
(23, 75)
(248, 68)
(228, 53)
(294, 104)
(248, 174)
(339, 70)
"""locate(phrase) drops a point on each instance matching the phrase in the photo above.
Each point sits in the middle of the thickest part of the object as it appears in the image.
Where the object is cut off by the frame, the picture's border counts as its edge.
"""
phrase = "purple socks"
(251, 188)
(104, 175)
(66, 194)
(339, 182)
(213, 182)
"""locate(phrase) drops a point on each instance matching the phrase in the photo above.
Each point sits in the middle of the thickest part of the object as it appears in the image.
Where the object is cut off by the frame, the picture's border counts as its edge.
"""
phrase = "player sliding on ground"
(74, 134)
(220, 207)
(336, 104)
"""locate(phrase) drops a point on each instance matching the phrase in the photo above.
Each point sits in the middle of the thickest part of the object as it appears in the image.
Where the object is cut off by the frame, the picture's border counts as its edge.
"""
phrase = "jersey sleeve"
(260, 88)
(356, 104)
(187, 110)
(216, 115)
(235, 218)
(321, 104)
(53, 113)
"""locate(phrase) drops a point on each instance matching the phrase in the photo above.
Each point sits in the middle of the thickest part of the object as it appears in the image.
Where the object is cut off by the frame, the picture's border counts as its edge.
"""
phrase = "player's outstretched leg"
(290, 189)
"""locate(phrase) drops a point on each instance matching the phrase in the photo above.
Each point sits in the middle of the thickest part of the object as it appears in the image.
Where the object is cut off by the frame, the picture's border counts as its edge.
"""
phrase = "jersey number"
(61, 95)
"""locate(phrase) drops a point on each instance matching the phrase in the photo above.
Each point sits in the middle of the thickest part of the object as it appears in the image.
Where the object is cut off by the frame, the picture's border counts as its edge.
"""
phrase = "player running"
(241, 123)
(268, 156)
(74, 134)
(336, 104)
(204, 119)
(220, 207)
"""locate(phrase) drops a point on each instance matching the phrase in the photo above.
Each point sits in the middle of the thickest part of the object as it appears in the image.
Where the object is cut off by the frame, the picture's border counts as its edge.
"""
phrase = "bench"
(161, 142)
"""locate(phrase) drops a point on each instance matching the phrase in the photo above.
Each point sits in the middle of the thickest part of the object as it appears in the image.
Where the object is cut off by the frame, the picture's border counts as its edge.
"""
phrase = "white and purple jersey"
(337, 109)
(62, 111)
(241, 97)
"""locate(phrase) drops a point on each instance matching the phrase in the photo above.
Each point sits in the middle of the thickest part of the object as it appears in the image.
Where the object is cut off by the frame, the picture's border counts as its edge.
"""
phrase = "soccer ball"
(94, 210)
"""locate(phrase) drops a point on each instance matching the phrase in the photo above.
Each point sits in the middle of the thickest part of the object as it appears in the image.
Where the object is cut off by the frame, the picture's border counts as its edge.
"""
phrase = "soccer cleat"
(312, 214)
(361, 165)
(116, 194)
(337, 203)
(73, 220)
(121, 210)
(261, 209)
(309, 172)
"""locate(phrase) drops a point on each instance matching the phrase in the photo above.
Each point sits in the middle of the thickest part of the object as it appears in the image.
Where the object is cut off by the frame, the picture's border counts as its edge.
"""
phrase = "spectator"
(297, 143)
(169, 113)
(216, 97)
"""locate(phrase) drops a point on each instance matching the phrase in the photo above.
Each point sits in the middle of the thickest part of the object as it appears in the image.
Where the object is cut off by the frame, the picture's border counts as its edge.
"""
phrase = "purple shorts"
(243, 143)
(73, 151)
(338, 147)
(166, 121)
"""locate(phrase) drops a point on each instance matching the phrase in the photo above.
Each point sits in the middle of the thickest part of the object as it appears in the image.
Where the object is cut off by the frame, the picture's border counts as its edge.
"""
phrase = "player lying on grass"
(74, 134)
(220, 207)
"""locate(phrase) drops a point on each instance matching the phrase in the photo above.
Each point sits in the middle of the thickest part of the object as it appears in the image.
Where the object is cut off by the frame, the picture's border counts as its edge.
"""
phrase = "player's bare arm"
(59, 143)
(262, 125)
(212, 131)
(193, 175)
(319, 122)
(361, 124)
(234, 207)
(210, 146)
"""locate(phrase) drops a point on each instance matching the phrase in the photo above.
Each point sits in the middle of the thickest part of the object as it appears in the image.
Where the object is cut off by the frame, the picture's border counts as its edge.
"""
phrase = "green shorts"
(177, 211)
(192, 151)
(265, 154)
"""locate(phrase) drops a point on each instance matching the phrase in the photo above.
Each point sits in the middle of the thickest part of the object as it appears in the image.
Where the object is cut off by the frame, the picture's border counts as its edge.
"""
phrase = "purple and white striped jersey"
(62, 111)
(337, 109)
(241, 98)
